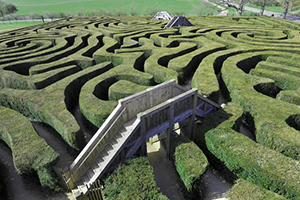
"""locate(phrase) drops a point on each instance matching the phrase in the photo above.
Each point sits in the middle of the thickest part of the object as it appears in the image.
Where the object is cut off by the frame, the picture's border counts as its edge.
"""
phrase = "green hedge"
(105, 53)
(134, 180)
(190, 163)
(30, 152)
(50, 105)
(94, 94)
(248, 191)
(124, 88)
(269, 114)
(290, 96)
(156, 64)
(185, 65)
(254, 162)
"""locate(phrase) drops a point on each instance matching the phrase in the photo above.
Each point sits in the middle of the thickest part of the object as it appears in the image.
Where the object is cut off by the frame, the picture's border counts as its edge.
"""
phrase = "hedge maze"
(70, 73)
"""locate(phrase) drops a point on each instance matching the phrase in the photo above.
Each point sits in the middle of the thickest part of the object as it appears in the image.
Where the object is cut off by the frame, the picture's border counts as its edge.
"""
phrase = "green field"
(277, 9)
(12, 25)
(186, 7)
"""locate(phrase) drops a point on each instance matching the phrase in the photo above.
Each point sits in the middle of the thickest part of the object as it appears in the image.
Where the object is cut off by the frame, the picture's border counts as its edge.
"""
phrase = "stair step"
(127, 125)
(104, 154)
(95, 166)
(122, 131)
(80, 185)
(99, 160)
(85, 179)
(200, 113)
(119, 135)
(76, 192)
(109, 148)
(90, 173)
(113, 142)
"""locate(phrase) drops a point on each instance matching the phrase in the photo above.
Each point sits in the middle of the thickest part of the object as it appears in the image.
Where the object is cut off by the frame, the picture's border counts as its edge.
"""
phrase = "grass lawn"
(186, 7)
(12, 25)
(278, 9)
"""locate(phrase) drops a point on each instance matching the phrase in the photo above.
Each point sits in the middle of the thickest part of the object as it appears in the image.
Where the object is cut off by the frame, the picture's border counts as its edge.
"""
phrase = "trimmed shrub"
(290, 96)
(269, 114)
(124, 88)
(190, 163)
(248, 191)
(253, 162)
(94, 94)
(30, 152)
(133, 180)
(187, 64)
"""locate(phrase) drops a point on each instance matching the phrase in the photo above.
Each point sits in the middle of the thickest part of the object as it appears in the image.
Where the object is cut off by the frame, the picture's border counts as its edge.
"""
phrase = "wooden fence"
(95, 191)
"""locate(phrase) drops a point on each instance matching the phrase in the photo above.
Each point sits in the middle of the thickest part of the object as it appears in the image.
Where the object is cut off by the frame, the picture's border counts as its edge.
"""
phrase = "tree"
(9, 8)
(49, 15)
(239, 7)
(263, 4)
(285, 8)
(1, 8)
(33, 15)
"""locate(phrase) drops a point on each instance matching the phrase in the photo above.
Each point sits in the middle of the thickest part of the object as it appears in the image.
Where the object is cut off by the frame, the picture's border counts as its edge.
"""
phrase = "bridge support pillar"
(143, 136)
(191, 134)
(170, 132)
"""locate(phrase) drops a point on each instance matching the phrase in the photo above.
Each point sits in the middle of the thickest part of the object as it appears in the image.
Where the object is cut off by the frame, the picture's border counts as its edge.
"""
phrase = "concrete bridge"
(125, 132)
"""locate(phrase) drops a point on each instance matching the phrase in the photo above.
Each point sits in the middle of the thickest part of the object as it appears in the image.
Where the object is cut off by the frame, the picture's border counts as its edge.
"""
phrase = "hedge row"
(134, 180)
(156, 64)
(205, 77)
(185, 65)
(123, 88)
(248, 191)
(269, 114)
(190, 163)
(94, 94)
(51, 105)
(105, 53)
(254, 162)
(30, 152)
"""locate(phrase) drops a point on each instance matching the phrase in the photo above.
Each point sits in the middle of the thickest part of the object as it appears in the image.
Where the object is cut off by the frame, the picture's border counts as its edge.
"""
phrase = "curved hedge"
(254, 162)
(248, 191)
(30, 152)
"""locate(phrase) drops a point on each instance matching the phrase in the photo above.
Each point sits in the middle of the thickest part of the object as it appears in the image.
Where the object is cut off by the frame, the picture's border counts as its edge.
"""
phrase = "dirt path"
(27, 187)
(214, 185)
(164, 173)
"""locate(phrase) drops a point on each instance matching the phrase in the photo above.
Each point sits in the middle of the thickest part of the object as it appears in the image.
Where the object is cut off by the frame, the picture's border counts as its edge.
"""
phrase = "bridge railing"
(163, 116)
(92, 149)
(205, 106)
(126, 110)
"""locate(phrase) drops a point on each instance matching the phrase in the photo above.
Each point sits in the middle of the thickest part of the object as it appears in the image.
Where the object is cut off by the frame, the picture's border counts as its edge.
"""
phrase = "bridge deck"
(135, 119)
